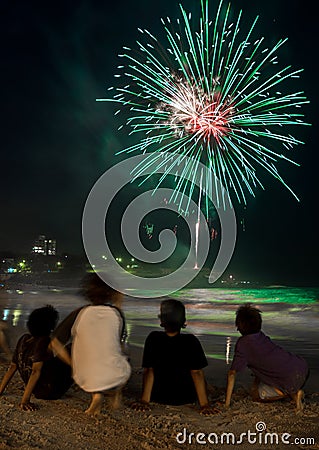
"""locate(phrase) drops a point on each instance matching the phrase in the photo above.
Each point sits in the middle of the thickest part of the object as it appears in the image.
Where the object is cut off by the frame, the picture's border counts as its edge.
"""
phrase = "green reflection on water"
(254, 295)
(282, 295)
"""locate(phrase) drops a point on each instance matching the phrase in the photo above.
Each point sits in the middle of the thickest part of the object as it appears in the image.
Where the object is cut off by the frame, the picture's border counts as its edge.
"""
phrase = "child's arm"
(230, 386)
(7, 377)
(200, 387)
(58, 348)
(148, 381)
(25, 404)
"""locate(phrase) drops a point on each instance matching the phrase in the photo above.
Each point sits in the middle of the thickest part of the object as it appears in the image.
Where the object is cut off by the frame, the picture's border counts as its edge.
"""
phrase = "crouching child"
(278, 373)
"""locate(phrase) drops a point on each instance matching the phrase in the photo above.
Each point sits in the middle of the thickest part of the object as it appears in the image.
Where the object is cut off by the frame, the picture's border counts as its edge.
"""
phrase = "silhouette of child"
(44, 375)
(173, 364)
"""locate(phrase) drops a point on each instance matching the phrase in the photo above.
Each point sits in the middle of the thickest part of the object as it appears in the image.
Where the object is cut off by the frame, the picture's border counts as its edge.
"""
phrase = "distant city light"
(16, 315)
(6, 314)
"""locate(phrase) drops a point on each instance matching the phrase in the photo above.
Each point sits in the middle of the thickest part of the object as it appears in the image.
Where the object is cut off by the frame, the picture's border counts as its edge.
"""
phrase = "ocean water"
(290, 318)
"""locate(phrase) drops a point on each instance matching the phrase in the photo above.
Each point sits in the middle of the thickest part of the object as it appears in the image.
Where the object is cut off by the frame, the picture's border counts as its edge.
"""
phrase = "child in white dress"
(98, 332)
(97, 358)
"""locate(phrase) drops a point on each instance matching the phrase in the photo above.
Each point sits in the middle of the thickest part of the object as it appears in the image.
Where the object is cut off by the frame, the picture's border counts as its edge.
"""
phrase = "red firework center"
(211, 120)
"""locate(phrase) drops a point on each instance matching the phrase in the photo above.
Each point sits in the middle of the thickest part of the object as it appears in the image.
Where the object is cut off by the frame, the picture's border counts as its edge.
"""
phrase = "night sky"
(56, 140)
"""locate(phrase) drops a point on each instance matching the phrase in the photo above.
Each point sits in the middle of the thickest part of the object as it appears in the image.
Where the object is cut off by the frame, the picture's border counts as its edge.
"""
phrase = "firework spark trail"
(212, 95)
(197, 225)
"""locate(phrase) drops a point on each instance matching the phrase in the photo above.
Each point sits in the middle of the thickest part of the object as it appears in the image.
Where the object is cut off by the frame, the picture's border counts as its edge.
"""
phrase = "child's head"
(248, 319)
(172, 315)
(96, 291)
(42, 321)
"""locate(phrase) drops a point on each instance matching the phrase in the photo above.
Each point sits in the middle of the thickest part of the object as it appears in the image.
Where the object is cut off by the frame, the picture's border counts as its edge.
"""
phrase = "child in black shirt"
(173, 363)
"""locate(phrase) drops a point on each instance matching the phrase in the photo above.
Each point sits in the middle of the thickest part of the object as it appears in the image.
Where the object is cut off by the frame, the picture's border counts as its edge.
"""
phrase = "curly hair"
(248, 319)
(42, 321)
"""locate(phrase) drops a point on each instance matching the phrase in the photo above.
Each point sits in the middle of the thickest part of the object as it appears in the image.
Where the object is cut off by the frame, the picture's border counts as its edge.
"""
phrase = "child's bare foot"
(115, 399)
(96, 404)
(298, 398)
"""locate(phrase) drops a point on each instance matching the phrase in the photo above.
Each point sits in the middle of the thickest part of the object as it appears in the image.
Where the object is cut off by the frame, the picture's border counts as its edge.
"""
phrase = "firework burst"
(213, 95)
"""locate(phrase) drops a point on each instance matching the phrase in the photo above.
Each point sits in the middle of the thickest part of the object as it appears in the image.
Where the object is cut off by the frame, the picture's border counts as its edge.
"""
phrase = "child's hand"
(141, 406)
(207, 410)
(28, 406)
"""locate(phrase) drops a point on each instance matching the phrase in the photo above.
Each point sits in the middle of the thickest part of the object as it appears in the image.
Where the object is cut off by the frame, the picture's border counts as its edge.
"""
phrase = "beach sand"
(62, 424)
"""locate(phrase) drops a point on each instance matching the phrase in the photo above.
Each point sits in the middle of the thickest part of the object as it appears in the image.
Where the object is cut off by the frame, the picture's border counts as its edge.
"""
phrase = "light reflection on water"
(290, 316)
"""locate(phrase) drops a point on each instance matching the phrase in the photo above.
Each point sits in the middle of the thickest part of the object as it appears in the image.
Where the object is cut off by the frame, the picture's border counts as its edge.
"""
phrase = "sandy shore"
(62, 424)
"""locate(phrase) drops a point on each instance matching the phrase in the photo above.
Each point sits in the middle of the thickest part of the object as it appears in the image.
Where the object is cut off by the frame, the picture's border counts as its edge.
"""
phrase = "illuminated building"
(44, 246)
